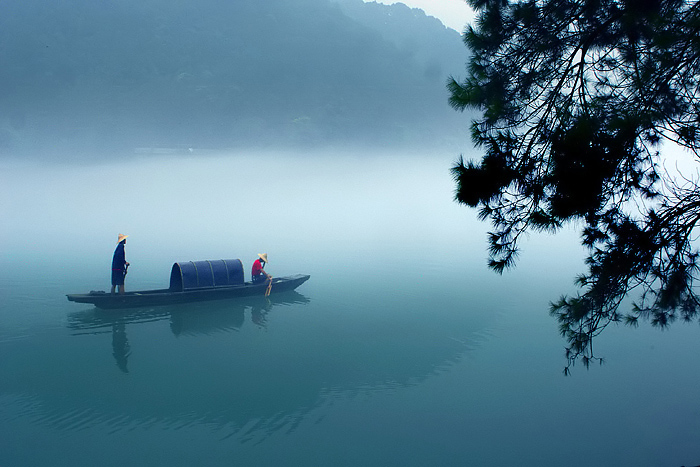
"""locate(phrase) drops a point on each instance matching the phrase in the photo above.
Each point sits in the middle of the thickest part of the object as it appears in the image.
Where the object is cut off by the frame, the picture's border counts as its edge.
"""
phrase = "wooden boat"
(194, 281)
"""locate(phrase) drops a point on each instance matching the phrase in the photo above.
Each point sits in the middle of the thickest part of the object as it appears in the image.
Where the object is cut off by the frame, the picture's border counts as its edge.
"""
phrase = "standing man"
(258, 272)
(119, 265)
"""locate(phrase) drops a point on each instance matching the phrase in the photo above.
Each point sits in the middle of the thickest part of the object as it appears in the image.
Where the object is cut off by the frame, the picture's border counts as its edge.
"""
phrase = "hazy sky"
(453, 13)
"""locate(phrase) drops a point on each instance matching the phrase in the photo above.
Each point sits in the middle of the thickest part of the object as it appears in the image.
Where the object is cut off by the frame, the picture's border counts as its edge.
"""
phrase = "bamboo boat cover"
(209, 273)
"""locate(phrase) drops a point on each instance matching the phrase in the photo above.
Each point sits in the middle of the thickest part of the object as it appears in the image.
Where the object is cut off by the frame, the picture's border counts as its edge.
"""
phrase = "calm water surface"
(402, 349)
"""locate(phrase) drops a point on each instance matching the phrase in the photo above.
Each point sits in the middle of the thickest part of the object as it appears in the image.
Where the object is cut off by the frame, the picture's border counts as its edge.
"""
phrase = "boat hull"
(159, 297)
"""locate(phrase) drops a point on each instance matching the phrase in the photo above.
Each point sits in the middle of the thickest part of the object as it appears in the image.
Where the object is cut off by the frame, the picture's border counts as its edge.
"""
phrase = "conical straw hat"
(121, 237)
(263, 257)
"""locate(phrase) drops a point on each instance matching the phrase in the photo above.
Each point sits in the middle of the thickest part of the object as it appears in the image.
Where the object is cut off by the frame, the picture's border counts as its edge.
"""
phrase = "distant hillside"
(87, 77)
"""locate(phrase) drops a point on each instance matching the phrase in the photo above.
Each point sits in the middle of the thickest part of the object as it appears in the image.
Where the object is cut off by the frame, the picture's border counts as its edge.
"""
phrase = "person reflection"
(258, 313)
(120, 346)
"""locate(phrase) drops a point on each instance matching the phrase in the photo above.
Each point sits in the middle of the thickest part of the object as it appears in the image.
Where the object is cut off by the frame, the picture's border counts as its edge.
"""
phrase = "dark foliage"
(576, 99)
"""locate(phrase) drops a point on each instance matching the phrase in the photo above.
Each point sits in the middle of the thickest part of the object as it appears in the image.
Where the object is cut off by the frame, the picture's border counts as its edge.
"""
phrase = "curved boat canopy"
(210, 273)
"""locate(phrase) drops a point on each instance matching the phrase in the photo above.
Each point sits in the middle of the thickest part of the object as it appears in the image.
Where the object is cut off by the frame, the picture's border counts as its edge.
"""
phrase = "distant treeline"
(91, 76)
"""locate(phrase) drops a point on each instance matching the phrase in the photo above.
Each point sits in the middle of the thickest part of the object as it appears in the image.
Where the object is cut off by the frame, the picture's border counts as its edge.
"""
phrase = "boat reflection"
(192, 318)
(186, 319)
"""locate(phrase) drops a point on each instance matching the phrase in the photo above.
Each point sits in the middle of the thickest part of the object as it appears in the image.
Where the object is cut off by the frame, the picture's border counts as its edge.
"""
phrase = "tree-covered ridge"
(86, 75)
(577, 98)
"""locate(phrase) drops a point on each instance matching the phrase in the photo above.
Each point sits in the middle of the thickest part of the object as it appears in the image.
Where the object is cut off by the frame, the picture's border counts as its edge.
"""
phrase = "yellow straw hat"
(121, 237)
(263, 257)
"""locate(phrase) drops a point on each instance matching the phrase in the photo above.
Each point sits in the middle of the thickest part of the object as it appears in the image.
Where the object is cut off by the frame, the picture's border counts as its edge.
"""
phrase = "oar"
(269, 286)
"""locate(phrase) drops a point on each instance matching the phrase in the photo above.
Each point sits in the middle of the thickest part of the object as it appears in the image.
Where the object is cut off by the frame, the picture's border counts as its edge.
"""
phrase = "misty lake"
(402, 348)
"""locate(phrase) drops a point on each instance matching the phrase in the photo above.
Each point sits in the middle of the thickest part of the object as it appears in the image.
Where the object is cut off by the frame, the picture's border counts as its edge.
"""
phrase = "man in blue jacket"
(119, 265)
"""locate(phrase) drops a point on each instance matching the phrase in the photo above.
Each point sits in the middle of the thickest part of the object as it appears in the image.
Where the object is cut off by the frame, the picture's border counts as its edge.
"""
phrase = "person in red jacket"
(258, 271)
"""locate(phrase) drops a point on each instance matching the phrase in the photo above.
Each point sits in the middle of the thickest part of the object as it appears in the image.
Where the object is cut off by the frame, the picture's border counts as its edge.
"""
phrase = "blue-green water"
(402, 349)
